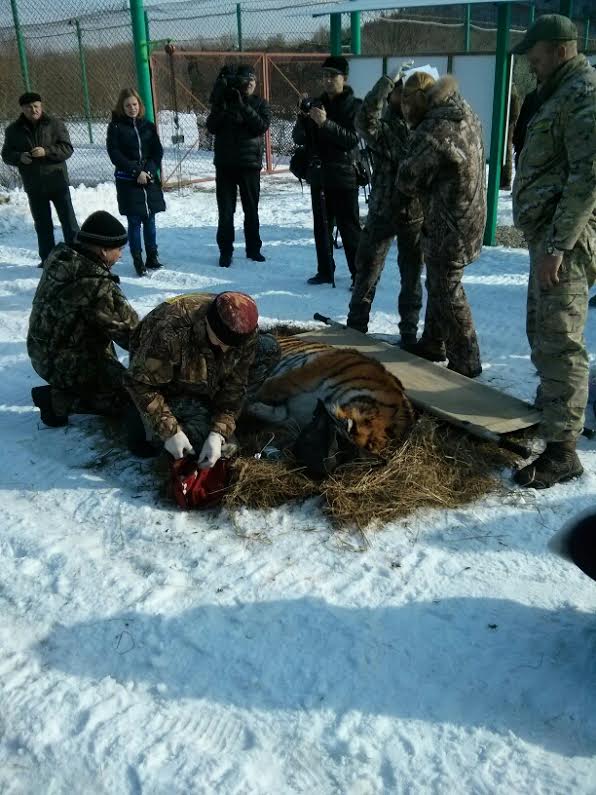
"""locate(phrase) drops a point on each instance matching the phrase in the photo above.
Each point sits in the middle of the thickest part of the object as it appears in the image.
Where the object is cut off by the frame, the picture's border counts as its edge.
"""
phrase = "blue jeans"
(134, 233)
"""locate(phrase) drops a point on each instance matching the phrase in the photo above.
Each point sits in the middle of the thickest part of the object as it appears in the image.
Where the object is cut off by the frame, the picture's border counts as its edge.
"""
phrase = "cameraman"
(325, 126)
(238, 120)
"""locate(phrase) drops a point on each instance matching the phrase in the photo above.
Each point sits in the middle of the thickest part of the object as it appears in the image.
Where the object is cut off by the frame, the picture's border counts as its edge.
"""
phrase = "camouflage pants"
(555, 321)
(89, 389)
(194, 414)
(370, 261)
(448, 317)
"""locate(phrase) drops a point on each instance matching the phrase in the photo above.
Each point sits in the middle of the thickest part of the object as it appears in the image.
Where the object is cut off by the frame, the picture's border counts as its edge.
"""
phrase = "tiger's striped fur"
(354, 388)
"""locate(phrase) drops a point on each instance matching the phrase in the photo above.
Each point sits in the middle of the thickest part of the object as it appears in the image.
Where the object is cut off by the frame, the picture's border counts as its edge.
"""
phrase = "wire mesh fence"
(80, 53)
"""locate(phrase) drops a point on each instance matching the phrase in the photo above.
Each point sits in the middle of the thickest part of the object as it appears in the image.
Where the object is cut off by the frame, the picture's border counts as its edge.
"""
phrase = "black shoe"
(41, 264)
(225, 260)
(407, 342)
(152, 260)
(258, 257)
(430, 351)
(41, 396)
(591, 302)
(319, 279)
(469, 372)
(137, 261)
(136, 435)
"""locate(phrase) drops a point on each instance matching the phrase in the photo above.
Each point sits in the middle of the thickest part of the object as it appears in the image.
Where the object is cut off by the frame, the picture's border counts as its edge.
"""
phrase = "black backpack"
(300, 163)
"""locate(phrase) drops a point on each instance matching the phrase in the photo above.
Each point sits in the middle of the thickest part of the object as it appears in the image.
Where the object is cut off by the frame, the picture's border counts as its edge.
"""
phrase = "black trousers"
(227, 184)
(41, 211)
(332, 206)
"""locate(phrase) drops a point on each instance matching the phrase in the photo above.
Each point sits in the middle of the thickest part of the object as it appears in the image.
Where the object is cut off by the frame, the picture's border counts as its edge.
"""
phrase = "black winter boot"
(558, 463)
(42, 398)
(152, 260)
(137, 261)
(225, 260)
(427, 349)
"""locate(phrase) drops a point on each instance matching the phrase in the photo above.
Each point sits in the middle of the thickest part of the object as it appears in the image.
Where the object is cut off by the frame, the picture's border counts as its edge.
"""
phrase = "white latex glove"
(211, 450)
(178, 445)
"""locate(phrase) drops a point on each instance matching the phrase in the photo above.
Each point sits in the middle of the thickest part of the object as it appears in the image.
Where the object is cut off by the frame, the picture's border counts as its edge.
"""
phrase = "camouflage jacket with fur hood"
(554, 193)
(386, 134)
(171, 356)
(78, 310)
(445, 166)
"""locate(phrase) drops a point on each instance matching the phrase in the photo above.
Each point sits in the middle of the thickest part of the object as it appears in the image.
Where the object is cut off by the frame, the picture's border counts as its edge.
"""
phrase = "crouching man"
(78, 313)
(191, 361)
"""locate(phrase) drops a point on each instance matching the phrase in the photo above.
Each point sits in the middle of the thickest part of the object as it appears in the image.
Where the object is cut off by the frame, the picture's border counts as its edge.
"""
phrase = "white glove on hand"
(211, 450)
(178, 445)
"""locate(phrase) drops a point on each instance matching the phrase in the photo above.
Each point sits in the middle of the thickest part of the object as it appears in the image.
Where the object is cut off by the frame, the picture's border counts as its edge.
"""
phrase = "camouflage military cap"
(548, 27)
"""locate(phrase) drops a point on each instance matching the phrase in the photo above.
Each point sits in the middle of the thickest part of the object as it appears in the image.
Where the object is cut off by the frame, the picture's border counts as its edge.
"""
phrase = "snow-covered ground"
(146, 650)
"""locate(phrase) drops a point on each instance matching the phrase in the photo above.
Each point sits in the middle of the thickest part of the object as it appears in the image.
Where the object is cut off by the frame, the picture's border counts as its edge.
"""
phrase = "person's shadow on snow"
(490, 663)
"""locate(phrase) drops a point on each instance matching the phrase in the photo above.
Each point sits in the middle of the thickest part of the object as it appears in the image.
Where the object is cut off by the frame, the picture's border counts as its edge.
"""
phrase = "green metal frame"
(84, 81)
(239, 25)
(141, 48)
(335, 34)
(355, 33)
(497, 142)
(21, 46)
(468, 28)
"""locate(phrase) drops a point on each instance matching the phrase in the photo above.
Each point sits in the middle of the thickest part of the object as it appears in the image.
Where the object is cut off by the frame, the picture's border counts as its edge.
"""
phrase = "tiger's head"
(375, 426)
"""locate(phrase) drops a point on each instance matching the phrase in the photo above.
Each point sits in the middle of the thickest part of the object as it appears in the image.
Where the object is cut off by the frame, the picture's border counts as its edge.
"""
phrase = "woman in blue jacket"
(136, 151)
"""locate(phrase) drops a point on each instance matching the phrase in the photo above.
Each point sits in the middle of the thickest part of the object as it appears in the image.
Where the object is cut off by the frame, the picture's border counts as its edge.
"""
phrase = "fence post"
(566, 8)
(21, 46)
(531, 13)
(468, 28)
(139, 37)
(587, 34)
(497, 140)
(85, 84)
(335, 34)
(355, 33)
(239, 25)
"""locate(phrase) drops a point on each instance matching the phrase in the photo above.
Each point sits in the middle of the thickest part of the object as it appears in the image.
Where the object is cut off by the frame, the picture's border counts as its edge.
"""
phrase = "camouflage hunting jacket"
(554, 193)
(171, 357)
(386, 134)
(445, 167)
(78, 310)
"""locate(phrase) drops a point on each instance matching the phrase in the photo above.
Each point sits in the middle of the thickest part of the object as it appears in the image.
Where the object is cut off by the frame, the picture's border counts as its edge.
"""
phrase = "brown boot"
(431, 351)
(558, 463)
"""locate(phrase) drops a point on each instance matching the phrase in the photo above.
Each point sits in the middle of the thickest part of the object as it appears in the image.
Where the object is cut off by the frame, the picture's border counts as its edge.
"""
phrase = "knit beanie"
(233, 317)
(337, 64)
(245, 72)
(28, 97)
(103, 230)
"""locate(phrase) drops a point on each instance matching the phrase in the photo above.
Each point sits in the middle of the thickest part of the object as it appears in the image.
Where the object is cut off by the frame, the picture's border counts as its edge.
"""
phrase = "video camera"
(306, 103)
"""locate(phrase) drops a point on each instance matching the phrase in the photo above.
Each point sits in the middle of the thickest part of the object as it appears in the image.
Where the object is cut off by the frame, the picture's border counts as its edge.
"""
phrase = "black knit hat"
(28, 97)
(246, 72)
(337, 64)
(102, 229)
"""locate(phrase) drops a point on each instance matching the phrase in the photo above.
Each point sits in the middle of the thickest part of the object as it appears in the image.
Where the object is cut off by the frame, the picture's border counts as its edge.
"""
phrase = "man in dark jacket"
(78, 313)
(327, 130)
(39, 145)
(238, 119)
(383, 127)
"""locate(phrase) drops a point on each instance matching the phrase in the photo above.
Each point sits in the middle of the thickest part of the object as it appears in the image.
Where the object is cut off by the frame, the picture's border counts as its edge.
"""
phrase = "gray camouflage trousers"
(370, 261)
(555, 321)
(194, 415)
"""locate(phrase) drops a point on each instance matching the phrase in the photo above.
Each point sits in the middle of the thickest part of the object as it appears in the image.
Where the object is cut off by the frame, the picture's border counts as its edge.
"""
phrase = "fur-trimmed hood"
(444, 99)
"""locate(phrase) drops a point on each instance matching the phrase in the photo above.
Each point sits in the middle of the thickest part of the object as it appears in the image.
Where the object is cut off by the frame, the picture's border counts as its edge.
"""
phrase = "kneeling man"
(78, 313)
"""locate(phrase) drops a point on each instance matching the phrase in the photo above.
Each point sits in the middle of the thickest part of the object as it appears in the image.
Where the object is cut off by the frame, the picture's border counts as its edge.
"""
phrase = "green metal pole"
(85, 84)
(147, 32)
(566, 8)
(587, 35)
(355, 33)
(139, 37)
(21, 46)
(335, 34)
(239, 25)
(468, 28)
(497, 140)
(532, 13)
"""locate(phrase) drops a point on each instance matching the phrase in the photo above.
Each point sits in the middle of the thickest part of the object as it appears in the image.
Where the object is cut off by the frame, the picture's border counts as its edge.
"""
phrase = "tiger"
(356, 389)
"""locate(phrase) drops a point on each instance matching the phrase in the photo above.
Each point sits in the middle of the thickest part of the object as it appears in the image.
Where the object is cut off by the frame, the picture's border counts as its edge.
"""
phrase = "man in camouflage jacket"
(390, 212)
(190, 368)
(78, 313)
(554, 201)
(445, 167)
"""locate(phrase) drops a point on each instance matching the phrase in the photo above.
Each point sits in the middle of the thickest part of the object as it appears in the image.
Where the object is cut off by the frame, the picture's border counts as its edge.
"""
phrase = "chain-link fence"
(80, 53)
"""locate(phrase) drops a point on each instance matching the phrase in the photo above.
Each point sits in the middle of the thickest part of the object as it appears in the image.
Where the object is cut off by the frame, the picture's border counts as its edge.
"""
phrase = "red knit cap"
(233, 317)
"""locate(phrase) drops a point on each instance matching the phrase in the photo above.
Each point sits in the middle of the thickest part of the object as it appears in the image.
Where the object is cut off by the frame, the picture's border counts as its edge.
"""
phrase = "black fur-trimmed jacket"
(238, 128)
(335, 142)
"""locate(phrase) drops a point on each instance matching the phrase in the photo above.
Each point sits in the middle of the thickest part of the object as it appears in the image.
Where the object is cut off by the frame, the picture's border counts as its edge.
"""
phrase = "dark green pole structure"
(497, 140)
(20, 46)
(85, 84)
(147, 32)
(335, 34)
(566, 7)
(587, 34)
(468, 28)
(239, 25)
(355, 33)
(531, 13)
(139, 37)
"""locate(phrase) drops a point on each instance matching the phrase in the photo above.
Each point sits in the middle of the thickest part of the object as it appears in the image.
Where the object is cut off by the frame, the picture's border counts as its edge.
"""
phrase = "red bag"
(192, 487)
